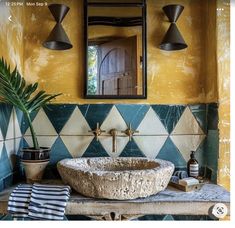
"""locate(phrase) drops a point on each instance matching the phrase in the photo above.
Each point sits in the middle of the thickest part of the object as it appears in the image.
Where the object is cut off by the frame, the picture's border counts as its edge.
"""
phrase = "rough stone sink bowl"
(116, 178)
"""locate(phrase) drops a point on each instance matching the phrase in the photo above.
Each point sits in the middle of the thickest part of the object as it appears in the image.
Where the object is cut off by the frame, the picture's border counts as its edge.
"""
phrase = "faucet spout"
(113, 133)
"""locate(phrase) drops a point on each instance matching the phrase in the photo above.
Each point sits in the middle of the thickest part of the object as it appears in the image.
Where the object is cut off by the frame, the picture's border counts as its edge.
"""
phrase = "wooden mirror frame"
(144, 49)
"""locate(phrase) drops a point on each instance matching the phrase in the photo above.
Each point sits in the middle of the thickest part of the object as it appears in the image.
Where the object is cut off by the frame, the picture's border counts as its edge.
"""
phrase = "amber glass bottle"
(193, 166)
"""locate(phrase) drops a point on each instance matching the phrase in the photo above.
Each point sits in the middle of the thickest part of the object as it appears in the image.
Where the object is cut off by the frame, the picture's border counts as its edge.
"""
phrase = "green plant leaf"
(13, 90)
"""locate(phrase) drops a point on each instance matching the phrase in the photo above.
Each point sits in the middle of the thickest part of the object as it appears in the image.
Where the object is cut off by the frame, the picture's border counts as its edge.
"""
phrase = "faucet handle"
(130, 132)
(97, 132)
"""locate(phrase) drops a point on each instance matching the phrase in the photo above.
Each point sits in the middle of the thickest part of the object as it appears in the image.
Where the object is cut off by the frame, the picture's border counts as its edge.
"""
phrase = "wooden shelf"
(170, 201)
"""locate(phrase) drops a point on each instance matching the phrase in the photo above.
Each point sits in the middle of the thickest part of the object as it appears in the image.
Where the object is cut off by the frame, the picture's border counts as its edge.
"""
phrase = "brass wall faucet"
(130, 132)
(113, 133)
(97, 132)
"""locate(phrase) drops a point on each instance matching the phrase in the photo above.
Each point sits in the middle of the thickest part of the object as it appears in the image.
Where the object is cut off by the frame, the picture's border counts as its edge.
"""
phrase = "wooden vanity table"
(170, 201)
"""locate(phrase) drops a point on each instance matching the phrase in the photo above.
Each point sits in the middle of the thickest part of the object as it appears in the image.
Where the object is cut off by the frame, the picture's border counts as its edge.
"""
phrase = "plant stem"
(34, 137)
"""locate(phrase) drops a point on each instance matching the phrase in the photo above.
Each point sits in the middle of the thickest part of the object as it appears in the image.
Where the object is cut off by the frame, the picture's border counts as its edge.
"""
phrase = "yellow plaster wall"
(11, 35)
(223, 58)
(173, 77)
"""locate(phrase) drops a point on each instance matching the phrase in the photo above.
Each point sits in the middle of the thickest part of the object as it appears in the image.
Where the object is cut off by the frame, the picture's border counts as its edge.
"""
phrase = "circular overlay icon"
(220, 210)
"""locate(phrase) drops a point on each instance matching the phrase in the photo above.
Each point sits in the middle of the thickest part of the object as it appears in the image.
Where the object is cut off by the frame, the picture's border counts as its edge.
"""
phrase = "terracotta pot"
(32, 154)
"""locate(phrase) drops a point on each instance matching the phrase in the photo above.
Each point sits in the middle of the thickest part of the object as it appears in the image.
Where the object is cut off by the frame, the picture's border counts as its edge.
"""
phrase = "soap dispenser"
(193, 166)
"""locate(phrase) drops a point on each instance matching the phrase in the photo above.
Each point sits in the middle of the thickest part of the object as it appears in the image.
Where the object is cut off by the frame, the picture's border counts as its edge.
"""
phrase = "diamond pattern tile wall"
(59, 114)
(169, 115)
(76, 125)
(187, 124)
(151, 125)
(5, 114)
(133, 114)
(10, 128)
(44, 141)
(114, 120)
(94, 113)
(150, 145)
(77, 144)
(170, 152)
(187, 143)
(164, 131)
(42, 125)
(12, 148)
(106, 142)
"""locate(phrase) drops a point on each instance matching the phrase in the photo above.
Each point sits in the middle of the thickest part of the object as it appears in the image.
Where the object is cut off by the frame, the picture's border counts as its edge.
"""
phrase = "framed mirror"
(115, 55)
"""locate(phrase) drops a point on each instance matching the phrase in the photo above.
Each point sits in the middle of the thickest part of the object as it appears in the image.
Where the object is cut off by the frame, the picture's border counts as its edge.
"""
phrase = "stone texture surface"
(116, 178)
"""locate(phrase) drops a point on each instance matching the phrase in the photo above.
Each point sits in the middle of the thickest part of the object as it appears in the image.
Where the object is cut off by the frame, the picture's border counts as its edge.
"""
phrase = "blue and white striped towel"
(19, 201)
(42, 202)
(48, 202)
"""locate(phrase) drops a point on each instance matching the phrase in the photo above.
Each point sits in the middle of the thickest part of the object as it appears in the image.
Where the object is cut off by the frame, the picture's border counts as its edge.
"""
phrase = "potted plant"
(25, 97)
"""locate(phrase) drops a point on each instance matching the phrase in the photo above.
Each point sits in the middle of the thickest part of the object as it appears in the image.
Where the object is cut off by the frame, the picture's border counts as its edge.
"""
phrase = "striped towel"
(19, 201)
(39, 202)
(48, 202)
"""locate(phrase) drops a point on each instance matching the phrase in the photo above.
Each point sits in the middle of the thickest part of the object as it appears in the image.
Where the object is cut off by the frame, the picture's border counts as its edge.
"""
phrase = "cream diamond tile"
(114, 120)
(76, 125)
(77, 145)
(1, 147)
(42, 125)
(107, 143)
(12, 147)
(10, 130)
(187, 143)
(151, 125)
(187, 124)
(43, 141)
(150, 145)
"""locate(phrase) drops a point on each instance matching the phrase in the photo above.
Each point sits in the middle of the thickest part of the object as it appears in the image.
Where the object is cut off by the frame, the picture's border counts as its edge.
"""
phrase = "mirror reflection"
(115, 50)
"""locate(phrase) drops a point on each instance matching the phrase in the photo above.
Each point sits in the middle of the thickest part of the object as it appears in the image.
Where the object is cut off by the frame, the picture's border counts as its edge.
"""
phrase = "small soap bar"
(188, 181)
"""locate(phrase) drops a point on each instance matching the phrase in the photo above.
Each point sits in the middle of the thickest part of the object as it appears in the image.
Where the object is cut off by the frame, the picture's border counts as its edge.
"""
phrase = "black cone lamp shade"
(173, 40)
(58, 39)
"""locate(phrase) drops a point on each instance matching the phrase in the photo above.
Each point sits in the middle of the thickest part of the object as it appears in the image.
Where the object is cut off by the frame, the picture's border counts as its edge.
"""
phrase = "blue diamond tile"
(24, 143)
(58, 152)
(59, 114)
(8, 181)
(5, 114)
(5, 167)
(95, 149)
(95, 113)
(131, 150)
(19, 116)
(133, 114)
(201, 154)
(212, 116)
(1, 188)
(169, 115)
(199, 112)
(212, 152)
(170, 152)
(24, 125)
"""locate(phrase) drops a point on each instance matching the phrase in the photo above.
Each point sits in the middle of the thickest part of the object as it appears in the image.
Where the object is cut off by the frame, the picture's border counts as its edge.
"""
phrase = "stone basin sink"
(116, 178)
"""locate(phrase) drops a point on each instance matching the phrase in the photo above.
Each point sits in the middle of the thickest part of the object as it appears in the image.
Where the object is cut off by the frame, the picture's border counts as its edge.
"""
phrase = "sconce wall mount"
(58, 39)
(173, 40)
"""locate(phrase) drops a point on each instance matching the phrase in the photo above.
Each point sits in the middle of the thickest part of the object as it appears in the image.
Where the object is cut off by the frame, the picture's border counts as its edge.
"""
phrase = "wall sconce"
(58, 39)
(173, 39)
